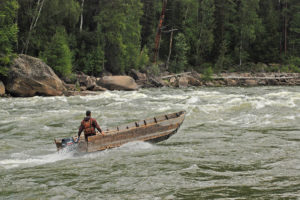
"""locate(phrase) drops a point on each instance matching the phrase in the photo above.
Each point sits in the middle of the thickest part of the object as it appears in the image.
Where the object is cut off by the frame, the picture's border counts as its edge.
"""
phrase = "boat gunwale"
(177, 115)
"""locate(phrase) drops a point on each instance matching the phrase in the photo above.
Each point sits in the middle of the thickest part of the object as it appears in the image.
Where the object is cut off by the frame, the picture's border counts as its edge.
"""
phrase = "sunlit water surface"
(235, 143)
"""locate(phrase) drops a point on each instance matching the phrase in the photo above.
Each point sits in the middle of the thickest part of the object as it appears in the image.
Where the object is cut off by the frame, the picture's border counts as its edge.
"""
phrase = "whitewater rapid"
(234, 143)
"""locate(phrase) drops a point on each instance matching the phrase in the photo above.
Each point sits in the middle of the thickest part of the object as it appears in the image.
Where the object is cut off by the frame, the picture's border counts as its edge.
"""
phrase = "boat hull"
(152, 130)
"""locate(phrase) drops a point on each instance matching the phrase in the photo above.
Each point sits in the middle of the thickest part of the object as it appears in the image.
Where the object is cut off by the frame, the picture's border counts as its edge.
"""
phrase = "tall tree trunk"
(81, 16)
(170, 49)
(241, 49)
(35, 19)
(285, 29)
(158, 32)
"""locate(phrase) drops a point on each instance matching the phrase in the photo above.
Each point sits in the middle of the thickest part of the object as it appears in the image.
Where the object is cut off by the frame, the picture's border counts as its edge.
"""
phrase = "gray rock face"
(99, 88)
(29, 76)
(117, 83)
(2, 88)
(88, 81)
(251, 83)
(183, 82)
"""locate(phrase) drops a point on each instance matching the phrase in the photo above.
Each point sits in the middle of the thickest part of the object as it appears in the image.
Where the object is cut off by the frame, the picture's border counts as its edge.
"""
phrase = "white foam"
(290, 117)
(191, 168)
(136, 146)
(162, 108)
(23, 160)
(192, 100)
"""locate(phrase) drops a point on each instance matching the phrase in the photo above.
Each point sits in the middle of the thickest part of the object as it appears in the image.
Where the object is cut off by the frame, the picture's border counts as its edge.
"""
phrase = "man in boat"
(89, 126)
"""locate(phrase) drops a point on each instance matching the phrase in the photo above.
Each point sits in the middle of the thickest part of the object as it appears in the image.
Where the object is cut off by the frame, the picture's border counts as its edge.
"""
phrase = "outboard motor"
(67, 142)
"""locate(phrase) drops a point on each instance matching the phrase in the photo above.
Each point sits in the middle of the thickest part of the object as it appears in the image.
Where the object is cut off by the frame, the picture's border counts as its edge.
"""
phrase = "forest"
(115, 36)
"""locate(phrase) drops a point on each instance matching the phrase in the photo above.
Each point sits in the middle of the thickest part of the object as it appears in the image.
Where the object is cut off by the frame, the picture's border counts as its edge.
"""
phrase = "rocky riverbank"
(29, 76)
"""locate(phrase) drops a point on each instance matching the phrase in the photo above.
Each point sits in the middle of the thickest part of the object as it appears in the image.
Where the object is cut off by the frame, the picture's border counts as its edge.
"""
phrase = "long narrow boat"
(152, 130)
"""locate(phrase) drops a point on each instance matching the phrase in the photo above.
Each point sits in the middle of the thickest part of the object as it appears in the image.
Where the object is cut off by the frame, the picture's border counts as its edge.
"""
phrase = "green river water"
(235, 143)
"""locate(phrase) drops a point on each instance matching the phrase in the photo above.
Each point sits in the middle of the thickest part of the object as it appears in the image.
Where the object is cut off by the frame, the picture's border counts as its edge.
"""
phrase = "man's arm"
(79, 131)
(98, 127)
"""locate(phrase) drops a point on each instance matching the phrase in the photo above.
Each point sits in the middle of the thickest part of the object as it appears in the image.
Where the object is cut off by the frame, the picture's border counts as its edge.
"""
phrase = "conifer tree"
(120, 26)
(180, 54)
(249, 25)
(58, 55)
(8, 32)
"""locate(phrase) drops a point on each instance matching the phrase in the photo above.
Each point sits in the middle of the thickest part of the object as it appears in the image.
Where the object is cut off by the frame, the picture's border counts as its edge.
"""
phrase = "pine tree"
(58, 55)
(8, 32)
(121, 30)
(266, 47)
(248, 26)
(294, 29)
(225, 33)
(198, 27)
(47, 17)
(179, 61)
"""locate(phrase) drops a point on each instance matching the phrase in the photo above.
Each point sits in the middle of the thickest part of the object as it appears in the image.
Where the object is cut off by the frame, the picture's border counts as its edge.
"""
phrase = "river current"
(235, 143)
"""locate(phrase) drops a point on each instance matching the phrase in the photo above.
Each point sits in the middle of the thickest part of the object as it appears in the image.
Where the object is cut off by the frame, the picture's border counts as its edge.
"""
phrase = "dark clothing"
(89, 126)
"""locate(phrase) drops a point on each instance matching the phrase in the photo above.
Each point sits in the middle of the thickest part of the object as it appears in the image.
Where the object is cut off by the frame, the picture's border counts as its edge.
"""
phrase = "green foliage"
(119, 35)
(154, 69)
(292, 65)
(294, 61)
(180, 50)
(94, 61)
(249, 25)
(120, 27)
(143, 59)
(198, 26)
(58, 55)
(8, 33)
(208, 73)
(49, 16)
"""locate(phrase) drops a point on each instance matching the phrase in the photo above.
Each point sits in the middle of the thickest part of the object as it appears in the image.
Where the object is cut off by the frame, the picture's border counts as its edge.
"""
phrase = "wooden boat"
(152, 130)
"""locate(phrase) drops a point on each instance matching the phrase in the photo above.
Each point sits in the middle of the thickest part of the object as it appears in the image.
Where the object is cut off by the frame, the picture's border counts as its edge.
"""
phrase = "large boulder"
(251, 82)
(117, 83)
(2, 89)
(183, 81)
(29, 76)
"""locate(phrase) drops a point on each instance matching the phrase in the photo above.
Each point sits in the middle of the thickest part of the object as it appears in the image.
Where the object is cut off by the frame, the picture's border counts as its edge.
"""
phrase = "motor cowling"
(67, 142)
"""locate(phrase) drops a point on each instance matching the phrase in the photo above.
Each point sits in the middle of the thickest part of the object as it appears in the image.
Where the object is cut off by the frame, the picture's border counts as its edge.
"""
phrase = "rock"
(173, 82)
(29, 76)
(117, 83)
(251, 82)
(262, 82)
(138, 75)
(2, 89)
(231, 82)
(83, 88)
(156, 82)
(183, 82)
(193, 81)
(196, 75)
(272, 82)
(88, 81)
(209, 84)
(140, 78)
(98, 88)
(71, 87)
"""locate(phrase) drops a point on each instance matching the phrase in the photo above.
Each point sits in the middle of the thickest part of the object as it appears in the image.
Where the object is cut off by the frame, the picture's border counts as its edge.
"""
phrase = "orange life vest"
(88, 127)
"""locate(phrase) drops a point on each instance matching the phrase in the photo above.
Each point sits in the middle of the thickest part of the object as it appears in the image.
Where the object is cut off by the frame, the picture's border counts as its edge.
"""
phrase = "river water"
(235, 143)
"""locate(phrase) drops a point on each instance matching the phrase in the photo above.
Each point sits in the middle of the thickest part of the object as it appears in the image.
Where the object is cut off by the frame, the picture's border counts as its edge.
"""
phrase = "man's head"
(88, 113)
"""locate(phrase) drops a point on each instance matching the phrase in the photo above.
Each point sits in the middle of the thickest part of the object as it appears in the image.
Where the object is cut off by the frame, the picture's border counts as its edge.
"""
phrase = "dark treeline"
(118, 35)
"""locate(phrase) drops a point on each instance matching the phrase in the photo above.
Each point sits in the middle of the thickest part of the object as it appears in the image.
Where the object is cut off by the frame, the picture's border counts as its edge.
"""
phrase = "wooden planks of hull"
(152, 130)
